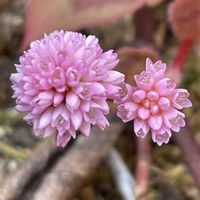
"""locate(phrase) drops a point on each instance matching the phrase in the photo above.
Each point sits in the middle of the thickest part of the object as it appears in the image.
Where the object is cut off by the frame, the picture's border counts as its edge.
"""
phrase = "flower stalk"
(182, 54)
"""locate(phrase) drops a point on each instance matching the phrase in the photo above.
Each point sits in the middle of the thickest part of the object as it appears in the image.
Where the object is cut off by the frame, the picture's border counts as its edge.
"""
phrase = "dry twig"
(76, 164)
(190, 151)
(13, 186)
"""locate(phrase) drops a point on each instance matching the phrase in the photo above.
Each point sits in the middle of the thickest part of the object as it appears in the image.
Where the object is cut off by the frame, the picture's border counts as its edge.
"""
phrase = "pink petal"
(85, 128)
(58, 98)
(153, 95)
(111, 90)
(35, 124)
(63, 140)
(45, 119)
(72, 101)
(57, 111)
(149, 65)
(127, 111)
(49, 131)
(97, 88)
(122, 113)
(85, 106)
(46, 95)
(44, 84)
(73, 77)
(29, 117)
(32, 92)
(114, 77)
(170, 114)
(180, 99)
(144, 80)
(17, 77)
(138, 96)
(72, 132)
(157, 69)
(164, 103)
(161, 136)
(155, 122)
(39, 110)
(23, 108)
(76, 119)
(122, 94)
(99, 119)
(102, 122)
(154, 109)
(58, 77)
(165, 86)
(101, 104)
(141, 127)
(159, 65)
(26, 99)
(143, 113)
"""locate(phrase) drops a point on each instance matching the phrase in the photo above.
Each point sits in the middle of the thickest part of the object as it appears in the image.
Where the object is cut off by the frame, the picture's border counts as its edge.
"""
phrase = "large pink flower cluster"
(62, 83)
(153, 104)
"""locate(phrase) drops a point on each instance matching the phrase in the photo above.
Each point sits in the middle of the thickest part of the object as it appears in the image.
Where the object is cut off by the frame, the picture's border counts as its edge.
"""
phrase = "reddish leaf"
(132, 61)
(184, 16)
(45, 16)
(153, 2)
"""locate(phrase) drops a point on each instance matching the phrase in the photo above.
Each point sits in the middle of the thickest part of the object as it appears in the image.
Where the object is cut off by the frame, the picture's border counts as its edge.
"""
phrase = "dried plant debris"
(11, 23)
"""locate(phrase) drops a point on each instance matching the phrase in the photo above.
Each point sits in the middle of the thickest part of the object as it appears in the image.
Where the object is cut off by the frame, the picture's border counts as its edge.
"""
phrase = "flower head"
(153, 104)
(62, 83)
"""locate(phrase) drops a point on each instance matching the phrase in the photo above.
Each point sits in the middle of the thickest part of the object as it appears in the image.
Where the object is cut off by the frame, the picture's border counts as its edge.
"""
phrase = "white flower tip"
(148, 61)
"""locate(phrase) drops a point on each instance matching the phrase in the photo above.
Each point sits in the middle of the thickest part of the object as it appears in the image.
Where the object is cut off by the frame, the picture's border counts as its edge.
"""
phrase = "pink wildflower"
(153, 104)
(62, 83)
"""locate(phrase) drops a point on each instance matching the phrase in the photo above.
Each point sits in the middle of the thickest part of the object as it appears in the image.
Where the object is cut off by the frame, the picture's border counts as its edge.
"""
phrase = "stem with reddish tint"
(182, 54)
(185, 140)
(143, 168)
(176, 68)
(191, 152)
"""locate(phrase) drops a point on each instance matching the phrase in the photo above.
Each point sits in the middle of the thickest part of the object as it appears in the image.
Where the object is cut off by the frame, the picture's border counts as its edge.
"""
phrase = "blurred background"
(136, 29)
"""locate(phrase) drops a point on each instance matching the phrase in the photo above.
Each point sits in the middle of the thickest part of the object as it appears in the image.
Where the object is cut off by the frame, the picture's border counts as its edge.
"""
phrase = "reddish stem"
(186, 141)
(191, 152)
(143, 167)
(182, 54)
(176, 68)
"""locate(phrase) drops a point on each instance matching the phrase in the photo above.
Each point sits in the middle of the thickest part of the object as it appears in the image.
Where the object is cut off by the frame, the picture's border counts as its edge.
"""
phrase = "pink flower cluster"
(62, 83)
(153, 104)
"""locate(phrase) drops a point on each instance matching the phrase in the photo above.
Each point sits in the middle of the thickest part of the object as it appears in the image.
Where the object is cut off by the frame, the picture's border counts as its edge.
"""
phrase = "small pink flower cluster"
(153, 104)
(63, 82)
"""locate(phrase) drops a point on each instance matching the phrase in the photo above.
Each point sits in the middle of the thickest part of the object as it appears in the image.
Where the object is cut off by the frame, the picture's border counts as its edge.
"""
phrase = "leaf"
(73, 168)
(133, 60)
(45, 16)
(184, 16)
(153, 2)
